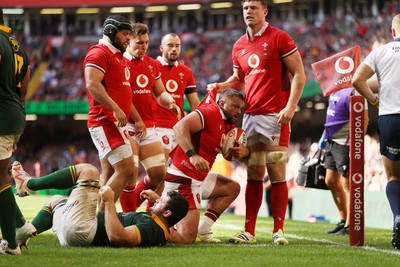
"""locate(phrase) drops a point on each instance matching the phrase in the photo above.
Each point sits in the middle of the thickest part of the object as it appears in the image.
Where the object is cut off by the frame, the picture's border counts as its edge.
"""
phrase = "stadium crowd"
(210, 59)
(209, 55)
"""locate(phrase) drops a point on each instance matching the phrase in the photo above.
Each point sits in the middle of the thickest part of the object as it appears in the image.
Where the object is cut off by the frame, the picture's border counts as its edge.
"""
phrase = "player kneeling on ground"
(199, 136)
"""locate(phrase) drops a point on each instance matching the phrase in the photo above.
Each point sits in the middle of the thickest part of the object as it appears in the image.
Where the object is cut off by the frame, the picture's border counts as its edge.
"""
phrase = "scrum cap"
(114, 24)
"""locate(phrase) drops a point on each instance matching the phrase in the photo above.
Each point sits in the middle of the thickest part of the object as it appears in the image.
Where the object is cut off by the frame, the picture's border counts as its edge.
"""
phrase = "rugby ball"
(228, 141)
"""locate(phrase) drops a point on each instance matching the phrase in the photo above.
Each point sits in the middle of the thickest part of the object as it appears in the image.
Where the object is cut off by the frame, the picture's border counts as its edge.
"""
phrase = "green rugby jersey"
(14, 64)
(151, 231)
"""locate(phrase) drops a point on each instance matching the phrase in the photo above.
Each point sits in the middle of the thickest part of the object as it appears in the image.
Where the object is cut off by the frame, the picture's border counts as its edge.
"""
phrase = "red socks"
(128, 199)
(253, 197)
(213, 215)
(279, 201)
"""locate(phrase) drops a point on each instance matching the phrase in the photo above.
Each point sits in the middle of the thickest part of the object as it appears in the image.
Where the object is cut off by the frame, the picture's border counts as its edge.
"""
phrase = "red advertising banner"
(356, 174)
(87, 3)
(336, 72)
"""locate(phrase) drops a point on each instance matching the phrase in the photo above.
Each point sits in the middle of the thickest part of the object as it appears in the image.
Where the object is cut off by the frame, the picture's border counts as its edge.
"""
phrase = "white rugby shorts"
(75, 223)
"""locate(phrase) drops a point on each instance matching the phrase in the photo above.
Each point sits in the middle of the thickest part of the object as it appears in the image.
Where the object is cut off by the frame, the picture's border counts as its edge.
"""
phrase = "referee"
(384, 61)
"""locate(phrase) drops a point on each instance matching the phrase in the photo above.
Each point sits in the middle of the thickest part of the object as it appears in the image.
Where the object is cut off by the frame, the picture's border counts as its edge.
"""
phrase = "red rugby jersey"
(267, 83)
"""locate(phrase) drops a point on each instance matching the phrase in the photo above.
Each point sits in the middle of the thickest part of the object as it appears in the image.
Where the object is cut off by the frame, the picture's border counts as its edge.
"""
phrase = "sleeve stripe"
(139, 236)
(236, 66)
(95, 66)
(289, 53)
(201, 118)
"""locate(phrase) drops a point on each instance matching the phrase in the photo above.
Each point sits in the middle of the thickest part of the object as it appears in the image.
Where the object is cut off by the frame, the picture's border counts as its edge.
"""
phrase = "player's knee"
(87, 171)
(273, 157)
(257, 158)
(332, 184)
(154, 161)
(54, 200)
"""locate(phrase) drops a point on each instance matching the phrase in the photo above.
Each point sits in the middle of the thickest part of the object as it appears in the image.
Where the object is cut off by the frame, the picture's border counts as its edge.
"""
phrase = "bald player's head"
(396, 26)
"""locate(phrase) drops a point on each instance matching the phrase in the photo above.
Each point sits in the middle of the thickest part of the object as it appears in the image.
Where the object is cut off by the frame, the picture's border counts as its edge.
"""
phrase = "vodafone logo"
(127, 74)
(142, 81)
(357, 178)
(171, 86)
(344, 65)
(358, 107)
(253, 61)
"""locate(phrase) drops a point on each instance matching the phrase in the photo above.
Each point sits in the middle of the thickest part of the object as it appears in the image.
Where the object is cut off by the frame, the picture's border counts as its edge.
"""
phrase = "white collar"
(165, 63)
(109, 45)
(130, 57)
(260, 32)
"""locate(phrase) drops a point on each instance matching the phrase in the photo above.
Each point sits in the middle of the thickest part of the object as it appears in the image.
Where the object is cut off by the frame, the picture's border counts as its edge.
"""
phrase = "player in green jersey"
(14, 77)
(77, 222)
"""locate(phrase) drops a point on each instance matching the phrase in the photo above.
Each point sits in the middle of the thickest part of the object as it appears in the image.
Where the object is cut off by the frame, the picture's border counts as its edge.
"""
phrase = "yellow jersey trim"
(167, 234)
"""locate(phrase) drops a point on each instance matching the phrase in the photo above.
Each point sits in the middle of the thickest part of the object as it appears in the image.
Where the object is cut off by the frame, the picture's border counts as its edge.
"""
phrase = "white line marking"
(326, 241)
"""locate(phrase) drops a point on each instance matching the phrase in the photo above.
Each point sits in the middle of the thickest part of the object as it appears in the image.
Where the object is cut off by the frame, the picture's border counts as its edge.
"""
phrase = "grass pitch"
(309, 246)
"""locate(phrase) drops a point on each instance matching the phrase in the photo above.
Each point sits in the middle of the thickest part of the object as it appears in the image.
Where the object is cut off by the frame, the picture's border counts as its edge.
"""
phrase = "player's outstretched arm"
(117, 234)
(236, 81)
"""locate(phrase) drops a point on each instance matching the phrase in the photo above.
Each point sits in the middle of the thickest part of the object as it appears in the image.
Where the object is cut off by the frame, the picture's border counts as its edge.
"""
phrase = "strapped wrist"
(191, 152)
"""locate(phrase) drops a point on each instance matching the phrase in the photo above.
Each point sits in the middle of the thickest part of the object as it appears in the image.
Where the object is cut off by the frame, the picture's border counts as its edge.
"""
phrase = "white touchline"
(234, 227)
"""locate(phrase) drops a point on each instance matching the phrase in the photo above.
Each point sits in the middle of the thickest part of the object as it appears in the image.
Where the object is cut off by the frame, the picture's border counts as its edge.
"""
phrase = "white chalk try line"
(326, 241)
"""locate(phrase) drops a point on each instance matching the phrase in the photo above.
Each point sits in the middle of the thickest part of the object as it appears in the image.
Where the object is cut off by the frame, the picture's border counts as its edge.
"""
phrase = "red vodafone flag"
(336, 72)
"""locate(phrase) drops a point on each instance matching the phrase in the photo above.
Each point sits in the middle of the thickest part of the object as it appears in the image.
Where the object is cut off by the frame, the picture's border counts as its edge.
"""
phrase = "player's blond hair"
(139, 29)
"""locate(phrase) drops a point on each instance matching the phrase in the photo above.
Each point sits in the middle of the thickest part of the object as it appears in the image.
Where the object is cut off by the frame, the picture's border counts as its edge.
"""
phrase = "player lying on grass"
(77, 222)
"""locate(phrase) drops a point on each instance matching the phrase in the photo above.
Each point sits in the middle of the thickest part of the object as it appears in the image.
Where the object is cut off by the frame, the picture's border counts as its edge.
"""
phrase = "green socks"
(61, 179)
(7, 215)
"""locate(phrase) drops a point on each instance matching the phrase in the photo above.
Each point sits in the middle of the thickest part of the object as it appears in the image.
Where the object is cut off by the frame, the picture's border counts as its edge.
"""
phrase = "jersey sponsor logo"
(171, 86)
(396, 49)
(127, 74)
(142, 80)
(393, 150)
(70, 205)
(14, 44)
(253, 61)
